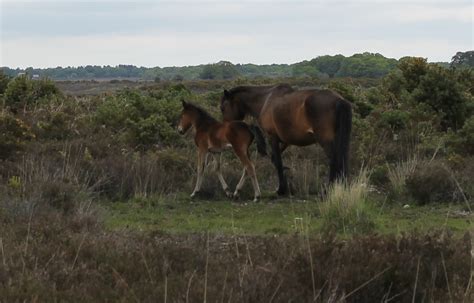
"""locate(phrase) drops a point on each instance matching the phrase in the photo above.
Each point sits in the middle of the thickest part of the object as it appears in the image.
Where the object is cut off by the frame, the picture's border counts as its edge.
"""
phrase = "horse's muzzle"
(180, 130)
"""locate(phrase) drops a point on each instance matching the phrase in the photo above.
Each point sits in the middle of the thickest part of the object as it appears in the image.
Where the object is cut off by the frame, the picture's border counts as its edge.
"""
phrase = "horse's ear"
(184, 103)
(226, 93)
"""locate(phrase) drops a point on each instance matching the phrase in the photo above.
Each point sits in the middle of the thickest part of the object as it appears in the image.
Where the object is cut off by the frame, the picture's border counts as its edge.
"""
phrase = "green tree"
(305, 69)
(366, 65)
(220, 70)
(463, 59)
(329, 65)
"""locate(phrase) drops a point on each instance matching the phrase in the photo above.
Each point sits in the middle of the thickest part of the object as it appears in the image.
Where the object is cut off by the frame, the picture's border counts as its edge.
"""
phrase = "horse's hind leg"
(328, 148)
(276, 159)
(225, 187)
(200, 171)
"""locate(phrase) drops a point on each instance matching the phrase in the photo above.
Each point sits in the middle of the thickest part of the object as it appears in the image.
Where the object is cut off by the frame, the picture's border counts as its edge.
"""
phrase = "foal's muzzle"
(180, 129)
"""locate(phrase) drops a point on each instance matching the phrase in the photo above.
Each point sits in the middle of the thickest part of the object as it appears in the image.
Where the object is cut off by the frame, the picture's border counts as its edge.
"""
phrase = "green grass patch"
(178, 214)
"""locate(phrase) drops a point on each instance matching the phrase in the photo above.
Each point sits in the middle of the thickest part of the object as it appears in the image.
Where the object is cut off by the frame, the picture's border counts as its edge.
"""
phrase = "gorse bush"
(22, 92)
(432, 182)
(18, 92)
(139, 119)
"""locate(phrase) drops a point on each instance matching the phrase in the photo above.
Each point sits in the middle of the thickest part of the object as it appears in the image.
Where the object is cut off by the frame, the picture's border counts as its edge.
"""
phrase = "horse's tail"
(343, 137)
(260, 140)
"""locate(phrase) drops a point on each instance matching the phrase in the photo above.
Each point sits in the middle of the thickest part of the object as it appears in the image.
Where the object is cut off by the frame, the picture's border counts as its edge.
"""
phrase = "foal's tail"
(260, 140)
(343, 137)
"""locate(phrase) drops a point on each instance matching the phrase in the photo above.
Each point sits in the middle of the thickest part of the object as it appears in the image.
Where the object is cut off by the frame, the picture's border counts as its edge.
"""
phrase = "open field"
(95, 207)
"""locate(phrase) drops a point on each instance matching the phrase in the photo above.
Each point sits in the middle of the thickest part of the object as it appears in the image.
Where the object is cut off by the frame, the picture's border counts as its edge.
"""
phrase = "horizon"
(203, 64)
(190, 33)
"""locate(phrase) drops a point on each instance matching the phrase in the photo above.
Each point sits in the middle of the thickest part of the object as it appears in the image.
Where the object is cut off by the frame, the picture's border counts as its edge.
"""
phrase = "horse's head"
(231, 107)
(186, 119)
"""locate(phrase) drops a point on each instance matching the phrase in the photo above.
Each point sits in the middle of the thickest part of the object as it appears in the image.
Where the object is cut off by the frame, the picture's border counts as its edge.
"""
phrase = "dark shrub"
(462, 141)
(44, 88)
(432, 182)
(4, 79)
(379, 176)
(14, 134)
(18, 92)
(394, 119)
(59, 195)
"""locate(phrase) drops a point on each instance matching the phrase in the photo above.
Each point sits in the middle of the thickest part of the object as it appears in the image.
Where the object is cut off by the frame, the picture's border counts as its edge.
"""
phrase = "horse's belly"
(297, 137)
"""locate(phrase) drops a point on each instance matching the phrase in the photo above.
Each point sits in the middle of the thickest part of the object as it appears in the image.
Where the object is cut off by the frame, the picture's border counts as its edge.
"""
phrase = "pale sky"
(178, 33)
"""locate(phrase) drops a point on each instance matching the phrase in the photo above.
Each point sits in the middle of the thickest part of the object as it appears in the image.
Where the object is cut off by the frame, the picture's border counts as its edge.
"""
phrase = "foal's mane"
(203, 115)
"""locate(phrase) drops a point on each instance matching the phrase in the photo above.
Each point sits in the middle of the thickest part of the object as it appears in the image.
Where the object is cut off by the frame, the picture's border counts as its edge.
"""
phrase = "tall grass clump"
(399, 173)
(346, 208)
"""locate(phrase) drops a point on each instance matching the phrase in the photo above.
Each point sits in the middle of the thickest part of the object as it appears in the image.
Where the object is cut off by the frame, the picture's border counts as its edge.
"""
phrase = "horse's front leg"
(200, 171)
(277, 162)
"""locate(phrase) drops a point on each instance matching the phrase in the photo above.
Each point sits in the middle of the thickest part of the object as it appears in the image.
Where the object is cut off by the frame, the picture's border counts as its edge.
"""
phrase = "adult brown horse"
(213, 137)
(295, 117)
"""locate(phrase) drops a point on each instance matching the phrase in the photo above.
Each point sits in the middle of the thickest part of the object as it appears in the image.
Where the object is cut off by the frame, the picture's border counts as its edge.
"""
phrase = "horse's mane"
(204, 116)
(249, 88)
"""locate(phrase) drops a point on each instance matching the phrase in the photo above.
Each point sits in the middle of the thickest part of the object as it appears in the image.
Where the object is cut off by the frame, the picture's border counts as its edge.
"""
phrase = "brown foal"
(212, 137)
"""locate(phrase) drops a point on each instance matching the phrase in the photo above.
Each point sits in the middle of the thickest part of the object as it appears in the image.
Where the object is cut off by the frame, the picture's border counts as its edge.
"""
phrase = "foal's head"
(187, 118)
(193, 115)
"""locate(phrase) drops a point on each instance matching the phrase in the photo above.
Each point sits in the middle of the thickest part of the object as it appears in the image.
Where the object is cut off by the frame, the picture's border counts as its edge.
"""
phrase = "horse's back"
(301, 117)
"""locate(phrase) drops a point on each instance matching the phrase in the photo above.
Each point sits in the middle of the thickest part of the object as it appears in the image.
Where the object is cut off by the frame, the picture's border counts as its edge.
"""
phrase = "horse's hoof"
(229, 194)
(236, 196)
(282, 191)
(193, 195)
(256, 199)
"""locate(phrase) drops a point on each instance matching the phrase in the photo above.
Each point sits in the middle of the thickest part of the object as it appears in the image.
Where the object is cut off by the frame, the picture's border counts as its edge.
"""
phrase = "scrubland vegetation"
(94, 197)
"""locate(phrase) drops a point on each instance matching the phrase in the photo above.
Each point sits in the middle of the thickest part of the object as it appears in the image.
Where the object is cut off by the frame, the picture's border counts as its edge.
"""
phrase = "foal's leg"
(240, 184)
(225, 187)
(250, 169)
(276, 157)
(200, 170)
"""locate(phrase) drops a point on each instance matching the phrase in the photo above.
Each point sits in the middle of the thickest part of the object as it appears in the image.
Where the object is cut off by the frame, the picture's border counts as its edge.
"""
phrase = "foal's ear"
(184, 103)
(226, 93)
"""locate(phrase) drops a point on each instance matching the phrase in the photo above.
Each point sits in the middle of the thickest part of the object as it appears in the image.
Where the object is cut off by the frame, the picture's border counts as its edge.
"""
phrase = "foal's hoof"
(193, 194)
(236, 196)
(229, 194)
(256, 199)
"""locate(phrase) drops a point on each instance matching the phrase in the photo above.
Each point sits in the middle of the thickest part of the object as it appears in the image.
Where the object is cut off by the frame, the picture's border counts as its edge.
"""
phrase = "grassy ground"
(178, 214)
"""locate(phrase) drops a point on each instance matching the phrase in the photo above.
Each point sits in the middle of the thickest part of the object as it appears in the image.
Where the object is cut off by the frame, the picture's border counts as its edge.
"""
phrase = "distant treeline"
(359, 65)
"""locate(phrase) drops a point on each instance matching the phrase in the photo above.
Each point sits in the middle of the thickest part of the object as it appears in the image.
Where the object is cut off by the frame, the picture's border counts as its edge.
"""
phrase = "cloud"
(150, 33)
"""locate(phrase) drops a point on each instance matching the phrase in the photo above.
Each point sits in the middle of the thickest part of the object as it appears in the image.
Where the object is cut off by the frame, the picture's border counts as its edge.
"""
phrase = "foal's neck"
(201, 120)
